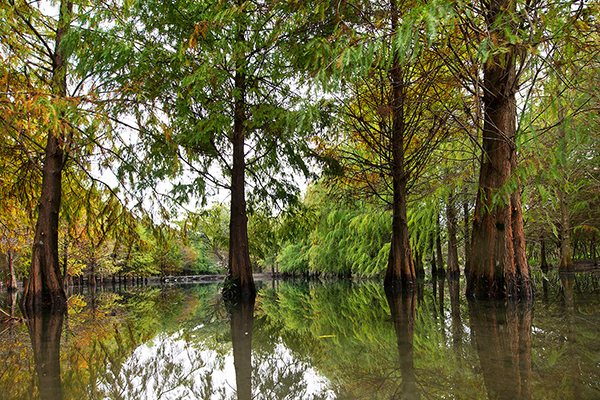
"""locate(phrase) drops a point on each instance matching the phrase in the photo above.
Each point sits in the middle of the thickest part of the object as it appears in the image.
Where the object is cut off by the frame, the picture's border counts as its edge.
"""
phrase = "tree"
(498, 265)
(396, 109)
(44, 286)
(220, 105)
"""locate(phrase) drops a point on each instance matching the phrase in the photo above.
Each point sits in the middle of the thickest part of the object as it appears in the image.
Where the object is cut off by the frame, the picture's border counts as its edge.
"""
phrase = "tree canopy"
(357, 138)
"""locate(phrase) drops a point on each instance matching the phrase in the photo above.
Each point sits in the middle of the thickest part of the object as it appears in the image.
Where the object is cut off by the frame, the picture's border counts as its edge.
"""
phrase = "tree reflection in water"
(45, 329)
(308, 341)
(502, 334)
(241, 317)
(402, 308)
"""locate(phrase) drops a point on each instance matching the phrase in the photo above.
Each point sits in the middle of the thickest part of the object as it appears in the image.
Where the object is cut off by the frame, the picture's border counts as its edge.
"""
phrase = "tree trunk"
(498, 264)
(433, 260)
(453, 271)
(593, 248)
(438, 248)
(419, 270)
(240, 268)
(44, 287)
(400, 272)
(566, 257)
(12, 278)
(467, 237)
(544, 260)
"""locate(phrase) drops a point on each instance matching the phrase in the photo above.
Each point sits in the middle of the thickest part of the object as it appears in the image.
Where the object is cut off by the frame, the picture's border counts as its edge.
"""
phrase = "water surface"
(308, 340)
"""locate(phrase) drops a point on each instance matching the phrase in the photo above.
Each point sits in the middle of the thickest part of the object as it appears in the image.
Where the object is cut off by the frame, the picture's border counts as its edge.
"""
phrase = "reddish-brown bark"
(498, 265)
(401, 270)
(240, 267)
(44, 287)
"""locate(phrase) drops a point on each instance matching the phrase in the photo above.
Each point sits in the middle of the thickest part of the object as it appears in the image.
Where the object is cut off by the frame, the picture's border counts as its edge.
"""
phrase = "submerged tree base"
(40, 304)
(235, 293)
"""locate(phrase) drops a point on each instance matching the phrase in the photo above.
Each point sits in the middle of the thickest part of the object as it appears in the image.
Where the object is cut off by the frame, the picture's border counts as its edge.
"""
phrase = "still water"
(308, 340)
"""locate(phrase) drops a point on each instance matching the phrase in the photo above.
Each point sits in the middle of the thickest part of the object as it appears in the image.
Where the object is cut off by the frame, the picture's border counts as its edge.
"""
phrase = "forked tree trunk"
(44, 287)
(453, 270)
(498, 263)
(240, 269)
(401, 270)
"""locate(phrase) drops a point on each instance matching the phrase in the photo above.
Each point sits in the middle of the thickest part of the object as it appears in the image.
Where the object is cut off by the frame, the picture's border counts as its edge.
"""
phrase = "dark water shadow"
(241, 319)
(403, 311)
(501, 331)
(45, 329)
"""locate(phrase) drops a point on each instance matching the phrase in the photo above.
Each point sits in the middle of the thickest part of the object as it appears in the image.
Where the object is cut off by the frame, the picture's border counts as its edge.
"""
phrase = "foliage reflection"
(308, 341)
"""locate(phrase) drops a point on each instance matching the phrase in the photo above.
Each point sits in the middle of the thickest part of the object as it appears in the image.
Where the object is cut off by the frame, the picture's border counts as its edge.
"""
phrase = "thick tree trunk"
(498, 262)
(240, 268)
(401, 270)
(453, 270)
(44, 287)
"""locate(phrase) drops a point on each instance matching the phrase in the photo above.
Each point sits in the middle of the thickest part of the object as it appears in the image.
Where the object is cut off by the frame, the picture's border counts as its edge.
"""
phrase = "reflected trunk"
(402, 307)
(502, 334)
(45, 329)
(241, 336)
(572, 354)
(457, 330)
